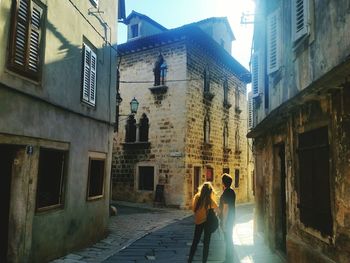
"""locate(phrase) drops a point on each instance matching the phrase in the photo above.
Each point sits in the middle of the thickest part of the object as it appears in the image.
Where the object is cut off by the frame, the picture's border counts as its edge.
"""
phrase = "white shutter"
(21, 33)
(257, 74)
(93, 78)
(250, 111)
(273, 41)
(86, 73)
(299, 18)
(35, 36)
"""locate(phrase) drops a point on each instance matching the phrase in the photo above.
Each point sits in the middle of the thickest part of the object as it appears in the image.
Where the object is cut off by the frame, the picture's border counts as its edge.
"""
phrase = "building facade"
(301, 126)
(57, 102)
(190, 126)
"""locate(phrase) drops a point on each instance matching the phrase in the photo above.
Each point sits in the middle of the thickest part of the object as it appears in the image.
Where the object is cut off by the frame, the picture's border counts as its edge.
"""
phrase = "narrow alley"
(165, 235)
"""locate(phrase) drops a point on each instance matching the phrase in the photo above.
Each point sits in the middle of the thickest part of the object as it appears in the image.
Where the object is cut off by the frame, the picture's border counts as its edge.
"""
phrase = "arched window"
(206, 77)
(130, 129)
(225, 86)
(225, 135)
(237, 141)
(206, 129)
(160, 70)
(144, 127)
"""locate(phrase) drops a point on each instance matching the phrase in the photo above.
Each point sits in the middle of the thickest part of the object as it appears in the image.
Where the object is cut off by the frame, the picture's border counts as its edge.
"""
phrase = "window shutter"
(86, 73)
(257, 74)
(34, 40)
(299, 18)
(21, 33)
(250, 111)
(93, 78)
(273, 41)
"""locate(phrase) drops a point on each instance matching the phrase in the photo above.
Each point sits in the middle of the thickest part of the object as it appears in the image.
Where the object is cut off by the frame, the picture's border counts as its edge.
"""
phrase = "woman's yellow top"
(200, 216)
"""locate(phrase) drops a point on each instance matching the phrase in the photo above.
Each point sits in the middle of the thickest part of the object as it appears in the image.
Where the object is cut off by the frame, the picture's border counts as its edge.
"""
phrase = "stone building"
(191, 123)
(56, 130)
(301, 98)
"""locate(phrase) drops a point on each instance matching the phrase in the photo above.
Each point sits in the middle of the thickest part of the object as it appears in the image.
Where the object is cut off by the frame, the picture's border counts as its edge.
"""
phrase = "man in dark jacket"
(227, 214)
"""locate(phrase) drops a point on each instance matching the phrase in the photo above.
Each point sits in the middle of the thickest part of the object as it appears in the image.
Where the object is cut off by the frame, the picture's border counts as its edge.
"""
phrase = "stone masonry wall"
(166, 113)
(214, 155)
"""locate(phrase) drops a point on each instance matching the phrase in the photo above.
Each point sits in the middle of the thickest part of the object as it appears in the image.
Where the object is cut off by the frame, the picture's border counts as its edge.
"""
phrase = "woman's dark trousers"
(197, 236)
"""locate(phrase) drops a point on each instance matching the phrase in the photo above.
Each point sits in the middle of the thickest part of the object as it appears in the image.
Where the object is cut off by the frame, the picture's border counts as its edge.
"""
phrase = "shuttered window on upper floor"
(89, 75)
(25, 56)
(300, 16)
(273, 41)
(257, 74)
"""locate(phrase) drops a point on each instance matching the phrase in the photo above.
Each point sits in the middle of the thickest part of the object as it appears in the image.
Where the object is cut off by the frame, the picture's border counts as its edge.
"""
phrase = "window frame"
(308, 194)
(96, 157)
(137, 181)
(132, 31)
(63, 179)
(29, 27)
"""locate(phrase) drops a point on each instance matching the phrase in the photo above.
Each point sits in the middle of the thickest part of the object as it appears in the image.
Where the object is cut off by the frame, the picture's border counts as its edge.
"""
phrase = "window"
(160, 70)
(315, 199)
(50, 179)
(225, 87)
(273, 41)
(237, 98)
(95, 2)
(236, 178)
(134, 30)
(96, 178)
(144, 127)
(225, 135)
(206, 129)
(146, 178)
(206, 76)
(89, 75)
(209, 175)
(26, 38)
(237, 140)
(300, 18)
(130, 129)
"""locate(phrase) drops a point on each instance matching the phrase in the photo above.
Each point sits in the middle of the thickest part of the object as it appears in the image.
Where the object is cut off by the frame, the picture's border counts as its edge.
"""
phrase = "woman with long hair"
(202, 202)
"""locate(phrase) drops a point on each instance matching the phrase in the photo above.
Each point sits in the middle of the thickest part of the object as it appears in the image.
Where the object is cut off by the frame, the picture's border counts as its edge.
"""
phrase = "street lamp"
(134, 105)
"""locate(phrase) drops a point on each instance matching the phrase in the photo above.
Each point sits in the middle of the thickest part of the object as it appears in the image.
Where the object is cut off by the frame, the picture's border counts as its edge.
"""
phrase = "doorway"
(7, 154)
(196, 179)
(280, 186)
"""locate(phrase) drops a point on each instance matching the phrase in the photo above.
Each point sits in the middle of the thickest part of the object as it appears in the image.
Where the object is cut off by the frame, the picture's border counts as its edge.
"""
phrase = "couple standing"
(203, 201)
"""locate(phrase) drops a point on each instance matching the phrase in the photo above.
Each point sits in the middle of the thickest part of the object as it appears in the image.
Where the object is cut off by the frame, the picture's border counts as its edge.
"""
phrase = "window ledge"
(161, 89)
(208, 95)
(238, 110)
(207, 145)
(136, 145)
(227, 150)
(227, 105)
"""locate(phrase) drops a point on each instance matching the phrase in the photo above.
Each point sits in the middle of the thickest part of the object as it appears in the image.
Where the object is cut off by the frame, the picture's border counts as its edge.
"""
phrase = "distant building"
(301, 131)
(56, 127)
(191, 123)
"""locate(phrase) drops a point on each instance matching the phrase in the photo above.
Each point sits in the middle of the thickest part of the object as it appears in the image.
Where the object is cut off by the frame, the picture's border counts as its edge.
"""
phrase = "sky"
(175, 13)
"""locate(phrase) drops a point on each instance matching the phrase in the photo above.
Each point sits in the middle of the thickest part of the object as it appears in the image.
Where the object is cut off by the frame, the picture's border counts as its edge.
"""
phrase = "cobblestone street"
(144, 234)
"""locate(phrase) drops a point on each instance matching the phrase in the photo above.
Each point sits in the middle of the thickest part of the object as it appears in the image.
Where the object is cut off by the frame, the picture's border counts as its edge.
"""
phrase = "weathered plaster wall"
(50, 113)
(305, 243)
